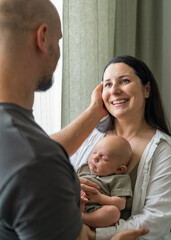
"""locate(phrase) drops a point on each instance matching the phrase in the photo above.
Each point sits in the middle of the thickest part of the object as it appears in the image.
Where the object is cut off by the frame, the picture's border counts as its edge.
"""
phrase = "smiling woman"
(131, 96)
(47, 105)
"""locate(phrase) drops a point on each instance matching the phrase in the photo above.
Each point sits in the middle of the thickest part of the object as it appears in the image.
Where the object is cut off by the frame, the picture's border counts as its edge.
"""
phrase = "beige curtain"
(94, 31)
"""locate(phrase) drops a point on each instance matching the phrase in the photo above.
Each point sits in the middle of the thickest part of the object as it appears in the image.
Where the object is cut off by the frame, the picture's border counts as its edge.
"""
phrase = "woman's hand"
(131, 234)
(89, 186)
(89, 191)
(83, 200)
(94, 197)
(97, 102)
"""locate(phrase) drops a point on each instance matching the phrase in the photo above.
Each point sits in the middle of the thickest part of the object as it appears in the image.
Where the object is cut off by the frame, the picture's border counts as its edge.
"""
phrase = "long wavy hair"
(154, 110)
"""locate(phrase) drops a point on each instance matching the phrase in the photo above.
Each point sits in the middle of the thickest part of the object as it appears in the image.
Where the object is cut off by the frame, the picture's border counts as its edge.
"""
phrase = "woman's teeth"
(119, 101)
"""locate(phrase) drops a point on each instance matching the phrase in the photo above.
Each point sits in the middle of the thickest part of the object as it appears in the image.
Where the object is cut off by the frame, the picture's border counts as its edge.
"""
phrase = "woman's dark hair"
(154, 111)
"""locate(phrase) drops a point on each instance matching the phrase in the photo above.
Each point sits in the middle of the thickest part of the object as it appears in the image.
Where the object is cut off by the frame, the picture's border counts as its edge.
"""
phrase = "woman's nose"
(115, 89)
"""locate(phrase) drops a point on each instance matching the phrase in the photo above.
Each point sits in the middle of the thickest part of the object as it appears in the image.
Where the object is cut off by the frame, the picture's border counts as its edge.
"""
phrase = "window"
(47, 105)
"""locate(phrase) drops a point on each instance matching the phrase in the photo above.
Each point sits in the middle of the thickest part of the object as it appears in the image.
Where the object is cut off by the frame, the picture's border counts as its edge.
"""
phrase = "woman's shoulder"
(159, 147)
(162, 137)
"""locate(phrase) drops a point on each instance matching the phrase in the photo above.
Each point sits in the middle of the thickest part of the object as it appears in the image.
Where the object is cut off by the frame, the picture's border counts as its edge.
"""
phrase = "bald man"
(39, 191)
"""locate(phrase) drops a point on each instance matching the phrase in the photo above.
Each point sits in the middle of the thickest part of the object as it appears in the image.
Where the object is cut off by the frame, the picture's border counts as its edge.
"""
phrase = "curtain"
(97, 30)
(166, 58)
(88, 38)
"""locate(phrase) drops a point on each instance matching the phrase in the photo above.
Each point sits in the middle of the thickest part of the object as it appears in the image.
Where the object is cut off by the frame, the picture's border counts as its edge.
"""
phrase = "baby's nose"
(96, 158)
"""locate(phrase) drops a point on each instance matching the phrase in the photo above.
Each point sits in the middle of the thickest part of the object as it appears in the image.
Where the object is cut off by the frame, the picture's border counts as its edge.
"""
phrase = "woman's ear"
(147, 89)
(42, 38)
(121, 169)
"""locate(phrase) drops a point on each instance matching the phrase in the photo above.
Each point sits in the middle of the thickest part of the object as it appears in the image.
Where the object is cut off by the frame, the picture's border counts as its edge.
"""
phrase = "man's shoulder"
(24, 143)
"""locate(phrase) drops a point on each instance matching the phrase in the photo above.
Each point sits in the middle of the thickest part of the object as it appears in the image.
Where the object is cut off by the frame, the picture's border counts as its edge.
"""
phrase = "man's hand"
(131, 234)
(96, 100)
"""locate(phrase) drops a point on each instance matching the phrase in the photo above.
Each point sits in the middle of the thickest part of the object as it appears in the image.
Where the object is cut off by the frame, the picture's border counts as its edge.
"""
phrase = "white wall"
(166, 68)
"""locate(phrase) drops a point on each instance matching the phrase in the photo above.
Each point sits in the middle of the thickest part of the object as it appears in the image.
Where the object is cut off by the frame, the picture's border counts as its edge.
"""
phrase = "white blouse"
(152, 195)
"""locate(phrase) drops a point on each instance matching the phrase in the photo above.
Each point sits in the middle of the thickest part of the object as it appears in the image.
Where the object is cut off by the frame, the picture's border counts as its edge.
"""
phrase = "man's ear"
(121, 169)
(147, 90)
(42, 38)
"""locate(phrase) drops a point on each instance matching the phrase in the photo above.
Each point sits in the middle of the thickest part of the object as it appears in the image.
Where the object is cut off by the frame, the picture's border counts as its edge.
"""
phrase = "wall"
(166, 67)
(166, 83)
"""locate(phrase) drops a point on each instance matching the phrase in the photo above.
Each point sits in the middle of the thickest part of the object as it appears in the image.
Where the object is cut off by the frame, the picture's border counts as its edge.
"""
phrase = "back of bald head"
(22, 16)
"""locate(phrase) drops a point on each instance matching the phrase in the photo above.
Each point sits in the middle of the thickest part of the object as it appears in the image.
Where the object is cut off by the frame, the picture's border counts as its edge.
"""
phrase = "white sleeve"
(156, 213)
(81, 156)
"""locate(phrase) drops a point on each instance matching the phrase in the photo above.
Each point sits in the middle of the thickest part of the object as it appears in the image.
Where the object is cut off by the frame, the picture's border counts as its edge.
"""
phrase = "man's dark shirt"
(39, 190)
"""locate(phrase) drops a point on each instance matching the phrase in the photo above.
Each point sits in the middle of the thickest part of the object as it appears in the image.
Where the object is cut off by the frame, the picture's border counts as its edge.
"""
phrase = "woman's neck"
(130, 129)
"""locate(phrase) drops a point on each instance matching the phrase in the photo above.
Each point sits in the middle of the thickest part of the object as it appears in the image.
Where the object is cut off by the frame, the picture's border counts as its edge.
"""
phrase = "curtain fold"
(97, 30)
(126, 27)
(149, 35)
(88, 39)
(139, 32)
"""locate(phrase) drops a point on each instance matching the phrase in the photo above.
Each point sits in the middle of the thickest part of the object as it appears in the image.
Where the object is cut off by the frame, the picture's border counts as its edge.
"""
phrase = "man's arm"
(73, 135)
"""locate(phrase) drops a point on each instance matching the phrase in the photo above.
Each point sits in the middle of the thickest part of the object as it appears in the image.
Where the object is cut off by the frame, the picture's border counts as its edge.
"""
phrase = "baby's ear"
(121, 169)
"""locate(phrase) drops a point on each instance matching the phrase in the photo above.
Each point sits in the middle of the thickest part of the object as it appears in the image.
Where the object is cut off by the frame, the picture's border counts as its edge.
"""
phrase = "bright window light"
(47, 105)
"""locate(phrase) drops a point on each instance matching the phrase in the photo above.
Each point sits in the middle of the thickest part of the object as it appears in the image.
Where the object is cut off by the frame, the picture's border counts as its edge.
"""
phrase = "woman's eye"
(125, 80)
(108, 84)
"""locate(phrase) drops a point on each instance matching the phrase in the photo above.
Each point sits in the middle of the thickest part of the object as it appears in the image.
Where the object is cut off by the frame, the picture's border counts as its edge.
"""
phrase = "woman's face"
(123, 94)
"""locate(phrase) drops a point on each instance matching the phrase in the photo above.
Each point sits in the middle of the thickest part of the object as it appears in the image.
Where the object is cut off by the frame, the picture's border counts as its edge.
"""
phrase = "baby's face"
(102, 161)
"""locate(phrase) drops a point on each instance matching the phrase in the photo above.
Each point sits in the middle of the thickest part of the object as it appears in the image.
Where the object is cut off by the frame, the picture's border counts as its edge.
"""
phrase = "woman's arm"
(73, 135)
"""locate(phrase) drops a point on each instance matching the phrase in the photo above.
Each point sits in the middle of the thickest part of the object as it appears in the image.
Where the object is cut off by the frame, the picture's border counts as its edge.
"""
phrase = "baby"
(106, 166)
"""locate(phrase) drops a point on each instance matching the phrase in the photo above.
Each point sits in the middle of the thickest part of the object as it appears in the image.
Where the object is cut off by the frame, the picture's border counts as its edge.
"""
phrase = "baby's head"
(110, 155)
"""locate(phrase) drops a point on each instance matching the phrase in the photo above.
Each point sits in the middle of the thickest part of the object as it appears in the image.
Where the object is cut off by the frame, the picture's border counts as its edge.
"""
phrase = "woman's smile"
(119, 101)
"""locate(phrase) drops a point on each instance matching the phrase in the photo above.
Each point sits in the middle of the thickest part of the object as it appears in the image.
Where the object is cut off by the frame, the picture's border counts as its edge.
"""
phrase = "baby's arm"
(119, 202)
(102, 199)
(108, 214)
